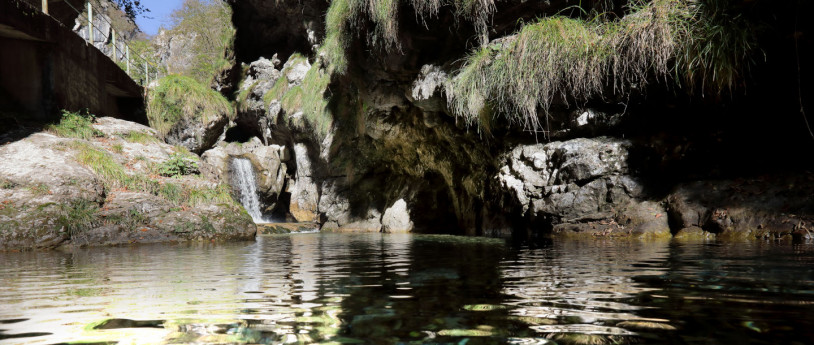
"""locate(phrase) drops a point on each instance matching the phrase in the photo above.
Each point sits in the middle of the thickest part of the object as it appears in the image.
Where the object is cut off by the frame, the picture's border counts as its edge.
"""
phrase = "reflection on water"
(401, 289)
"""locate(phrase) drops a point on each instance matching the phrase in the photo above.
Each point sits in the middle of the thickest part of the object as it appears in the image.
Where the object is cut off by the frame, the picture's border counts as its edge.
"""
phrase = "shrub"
(75, 125)
(178, 164)
(178, 98)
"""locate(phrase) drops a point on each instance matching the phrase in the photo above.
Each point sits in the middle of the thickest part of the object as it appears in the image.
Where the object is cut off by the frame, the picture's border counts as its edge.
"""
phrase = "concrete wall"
(45, 67)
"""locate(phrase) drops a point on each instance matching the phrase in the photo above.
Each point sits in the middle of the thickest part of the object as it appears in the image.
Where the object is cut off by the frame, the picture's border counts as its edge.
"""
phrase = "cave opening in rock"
(237, 135)
(435, 211)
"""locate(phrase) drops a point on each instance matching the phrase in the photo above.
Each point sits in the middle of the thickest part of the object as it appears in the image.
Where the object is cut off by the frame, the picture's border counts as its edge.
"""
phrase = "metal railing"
(139, 68)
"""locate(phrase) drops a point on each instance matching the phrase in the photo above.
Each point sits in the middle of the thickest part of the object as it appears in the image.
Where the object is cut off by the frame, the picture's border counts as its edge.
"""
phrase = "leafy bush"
(178, 164)
(75, 125)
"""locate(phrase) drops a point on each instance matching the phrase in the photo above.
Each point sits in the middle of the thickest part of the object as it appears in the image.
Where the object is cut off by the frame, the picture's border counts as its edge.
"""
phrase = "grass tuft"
(380, 19)
(179, 164)
(177, 99)
(139, 137)
(75, 125)
(77, 216)
(566, 60)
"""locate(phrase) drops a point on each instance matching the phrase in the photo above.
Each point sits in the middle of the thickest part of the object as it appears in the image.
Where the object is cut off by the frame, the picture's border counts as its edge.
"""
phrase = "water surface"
(403, 289)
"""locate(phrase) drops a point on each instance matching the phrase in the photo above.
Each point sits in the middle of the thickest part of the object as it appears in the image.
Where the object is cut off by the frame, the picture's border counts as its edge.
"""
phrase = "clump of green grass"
(314, 100)
(7, 184)
(568, 59)
(77, 216)
(39, 189)
(179, 164)
(75, 125)
(221, 194)
(170, 191)
(139, 137)
(179, 99)
(103, 164)
(380, 20)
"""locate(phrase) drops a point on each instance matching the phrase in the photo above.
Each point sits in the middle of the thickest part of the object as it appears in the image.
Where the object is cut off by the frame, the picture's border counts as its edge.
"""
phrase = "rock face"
(376, 147)
(270, 162)
(765, 207)
(581, 185)
(198, 135)
(71, 192)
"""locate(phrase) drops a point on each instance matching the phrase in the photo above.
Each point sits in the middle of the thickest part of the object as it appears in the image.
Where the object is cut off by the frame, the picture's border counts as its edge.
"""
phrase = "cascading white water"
(245, 181)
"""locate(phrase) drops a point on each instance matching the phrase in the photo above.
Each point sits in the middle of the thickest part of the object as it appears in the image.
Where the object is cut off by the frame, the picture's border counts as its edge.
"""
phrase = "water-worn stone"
(304, 191)
(396, 218)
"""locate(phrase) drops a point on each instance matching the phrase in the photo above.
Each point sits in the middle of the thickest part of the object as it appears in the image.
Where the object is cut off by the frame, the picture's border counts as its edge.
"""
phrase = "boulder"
(768, 206)
(72, 192)
(304, 190)
(396, 218)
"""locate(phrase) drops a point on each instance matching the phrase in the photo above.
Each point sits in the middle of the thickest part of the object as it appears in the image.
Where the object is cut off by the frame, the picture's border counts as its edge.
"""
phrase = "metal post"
(127, 53)
(90, 22)
(115, 55)
(45, 6)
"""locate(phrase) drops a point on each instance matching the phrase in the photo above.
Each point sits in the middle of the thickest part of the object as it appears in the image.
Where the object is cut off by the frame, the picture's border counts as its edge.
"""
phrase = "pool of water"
(411, 289)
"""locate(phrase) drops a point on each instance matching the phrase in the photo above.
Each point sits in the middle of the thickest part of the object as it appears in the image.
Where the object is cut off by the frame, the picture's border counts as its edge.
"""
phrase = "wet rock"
(304, 191)
(268, 160)
(396, 218)
(425, 92)
(760, 207)
(339, 215)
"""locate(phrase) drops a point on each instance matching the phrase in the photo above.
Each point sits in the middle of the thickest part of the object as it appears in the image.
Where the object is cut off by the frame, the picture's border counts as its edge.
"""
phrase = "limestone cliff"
(403, 123)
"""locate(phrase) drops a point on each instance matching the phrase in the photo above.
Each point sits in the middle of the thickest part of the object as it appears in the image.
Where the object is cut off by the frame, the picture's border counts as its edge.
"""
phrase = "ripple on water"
(387, 289)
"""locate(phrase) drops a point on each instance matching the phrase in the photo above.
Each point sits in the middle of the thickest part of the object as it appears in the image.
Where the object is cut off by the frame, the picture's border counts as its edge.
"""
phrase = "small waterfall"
(245, 181)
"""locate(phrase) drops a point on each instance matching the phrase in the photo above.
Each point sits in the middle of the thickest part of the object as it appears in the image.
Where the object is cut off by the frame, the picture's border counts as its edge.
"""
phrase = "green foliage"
(178, 98)
(75, 125)
(118, 148)
(103, 164)
(221, 194)
(571, 59)
(309, 98)
(7, 184)
(77, 216)
(210, 23)
(139, 137)
(314, 101)
(380, 20)
(178, 164)
(172, 192)
(140, 49)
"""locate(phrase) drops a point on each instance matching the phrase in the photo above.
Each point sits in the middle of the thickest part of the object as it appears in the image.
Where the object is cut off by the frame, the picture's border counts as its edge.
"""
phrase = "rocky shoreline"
(70, 192)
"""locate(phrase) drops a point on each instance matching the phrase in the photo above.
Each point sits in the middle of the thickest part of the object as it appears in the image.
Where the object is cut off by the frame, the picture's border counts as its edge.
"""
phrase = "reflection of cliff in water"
(385, 289)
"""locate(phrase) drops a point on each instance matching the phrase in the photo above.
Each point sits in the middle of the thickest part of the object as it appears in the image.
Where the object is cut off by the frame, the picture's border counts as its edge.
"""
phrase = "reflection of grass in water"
(84, 292)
